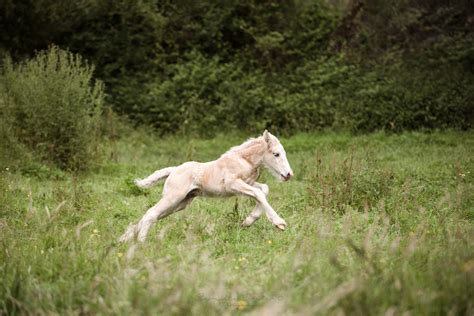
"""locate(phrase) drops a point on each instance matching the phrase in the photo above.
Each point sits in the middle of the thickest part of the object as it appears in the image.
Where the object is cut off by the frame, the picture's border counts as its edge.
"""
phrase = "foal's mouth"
(286, 178)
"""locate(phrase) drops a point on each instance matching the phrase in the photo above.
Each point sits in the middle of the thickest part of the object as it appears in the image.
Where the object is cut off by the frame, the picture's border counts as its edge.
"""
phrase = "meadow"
(377, 224)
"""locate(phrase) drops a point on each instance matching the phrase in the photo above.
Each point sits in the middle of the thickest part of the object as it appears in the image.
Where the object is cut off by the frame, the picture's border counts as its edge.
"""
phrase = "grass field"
(377, 224)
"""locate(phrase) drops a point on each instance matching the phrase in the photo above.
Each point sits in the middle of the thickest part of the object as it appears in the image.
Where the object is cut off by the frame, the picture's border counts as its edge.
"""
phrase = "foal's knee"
(265, 189)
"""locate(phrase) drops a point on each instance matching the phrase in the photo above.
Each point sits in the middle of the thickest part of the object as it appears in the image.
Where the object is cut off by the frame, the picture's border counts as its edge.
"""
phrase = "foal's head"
(275, 158)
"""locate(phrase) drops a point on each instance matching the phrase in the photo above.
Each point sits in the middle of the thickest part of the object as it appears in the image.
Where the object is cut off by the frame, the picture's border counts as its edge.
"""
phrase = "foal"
(235, 172)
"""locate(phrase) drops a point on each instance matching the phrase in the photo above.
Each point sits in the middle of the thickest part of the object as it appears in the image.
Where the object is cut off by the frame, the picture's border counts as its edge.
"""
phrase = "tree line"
(207, 66)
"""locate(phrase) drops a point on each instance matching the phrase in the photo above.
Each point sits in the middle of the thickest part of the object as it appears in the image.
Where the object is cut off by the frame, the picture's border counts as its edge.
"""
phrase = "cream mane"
(251, 142)
(251, 150)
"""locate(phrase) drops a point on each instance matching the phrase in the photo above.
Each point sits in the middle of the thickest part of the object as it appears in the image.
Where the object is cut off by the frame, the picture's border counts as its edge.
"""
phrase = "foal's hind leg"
(166, 206)
(258, 210)
(172, 201)
(163, 208)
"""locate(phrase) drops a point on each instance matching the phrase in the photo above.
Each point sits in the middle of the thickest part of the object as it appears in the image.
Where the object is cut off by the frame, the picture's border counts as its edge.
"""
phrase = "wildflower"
(119, 254)
(241, 305)
(269, 242)
(95, 231)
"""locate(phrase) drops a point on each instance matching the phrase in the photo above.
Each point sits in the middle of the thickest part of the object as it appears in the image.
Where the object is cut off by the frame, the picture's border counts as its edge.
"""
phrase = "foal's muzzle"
(287, 176)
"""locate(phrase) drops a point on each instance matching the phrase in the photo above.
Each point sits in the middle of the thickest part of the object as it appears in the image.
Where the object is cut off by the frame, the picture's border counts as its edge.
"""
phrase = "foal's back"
(211, 178)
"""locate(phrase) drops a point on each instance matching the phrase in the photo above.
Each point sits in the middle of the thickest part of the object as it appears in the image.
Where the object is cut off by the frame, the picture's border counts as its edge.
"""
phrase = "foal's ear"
(266, 137)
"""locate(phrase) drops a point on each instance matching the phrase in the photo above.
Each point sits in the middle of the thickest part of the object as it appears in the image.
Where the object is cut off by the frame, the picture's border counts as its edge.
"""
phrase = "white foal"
(235, 172)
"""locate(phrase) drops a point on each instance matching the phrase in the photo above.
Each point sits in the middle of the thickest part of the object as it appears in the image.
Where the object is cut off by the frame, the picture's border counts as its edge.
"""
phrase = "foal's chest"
(253, 176)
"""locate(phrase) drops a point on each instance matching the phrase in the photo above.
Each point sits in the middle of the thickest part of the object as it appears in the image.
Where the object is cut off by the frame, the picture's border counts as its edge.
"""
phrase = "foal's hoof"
(281, 226)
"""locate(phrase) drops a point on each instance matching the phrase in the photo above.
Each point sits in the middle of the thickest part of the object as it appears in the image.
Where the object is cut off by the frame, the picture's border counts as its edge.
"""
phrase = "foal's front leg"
(239, 186)
(258, 209)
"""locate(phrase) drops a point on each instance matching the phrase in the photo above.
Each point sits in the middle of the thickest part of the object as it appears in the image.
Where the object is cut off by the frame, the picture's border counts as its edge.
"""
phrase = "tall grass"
(377, 225)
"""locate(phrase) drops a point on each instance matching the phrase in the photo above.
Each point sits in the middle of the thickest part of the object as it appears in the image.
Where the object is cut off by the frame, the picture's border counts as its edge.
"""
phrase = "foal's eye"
(276, 154)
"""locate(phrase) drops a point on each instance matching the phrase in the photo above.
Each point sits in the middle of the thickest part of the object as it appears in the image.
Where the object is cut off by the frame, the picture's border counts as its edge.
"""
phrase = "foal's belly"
(198, 192)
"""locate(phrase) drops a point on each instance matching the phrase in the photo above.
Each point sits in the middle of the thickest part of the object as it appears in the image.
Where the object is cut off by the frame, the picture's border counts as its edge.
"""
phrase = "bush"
(207, 95)
(204, 95)
(397, 99)
(50, 105)
(290, 66)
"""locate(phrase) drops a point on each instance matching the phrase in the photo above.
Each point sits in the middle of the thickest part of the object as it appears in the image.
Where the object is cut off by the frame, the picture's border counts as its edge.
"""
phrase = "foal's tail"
(153, 178)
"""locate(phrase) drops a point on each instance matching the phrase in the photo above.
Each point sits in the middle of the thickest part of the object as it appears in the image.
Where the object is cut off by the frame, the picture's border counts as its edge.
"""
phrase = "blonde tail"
(153, 178)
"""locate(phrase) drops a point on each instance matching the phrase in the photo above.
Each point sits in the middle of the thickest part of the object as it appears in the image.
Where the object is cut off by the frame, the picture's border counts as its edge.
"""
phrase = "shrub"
(290, 66)
(51, 106)
(204, 95)
(398, 99)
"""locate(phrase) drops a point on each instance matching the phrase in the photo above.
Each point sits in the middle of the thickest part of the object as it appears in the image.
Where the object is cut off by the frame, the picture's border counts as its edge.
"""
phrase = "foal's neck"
(254, 152)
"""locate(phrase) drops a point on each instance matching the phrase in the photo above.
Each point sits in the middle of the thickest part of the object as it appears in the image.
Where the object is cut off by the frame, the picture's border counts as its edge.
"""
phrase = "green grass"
(377, 224)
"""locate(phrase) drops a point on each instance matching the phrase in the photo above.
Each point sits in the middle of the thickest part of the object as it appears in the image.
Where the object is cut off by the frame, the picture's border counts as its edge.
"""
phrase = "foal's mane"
(252, 149)
(245, 145)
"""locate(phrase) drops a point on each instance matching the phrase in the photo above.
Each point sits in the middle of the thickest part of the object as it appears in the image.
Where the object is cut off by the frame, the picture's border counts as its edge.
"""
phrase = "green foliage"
(206, 96)
(333, 92)
(410, 25)
(124, 40)
(262, 34)
(393, 233)
(299, 65)
(33, 25)
(398, 98)
(51, 105)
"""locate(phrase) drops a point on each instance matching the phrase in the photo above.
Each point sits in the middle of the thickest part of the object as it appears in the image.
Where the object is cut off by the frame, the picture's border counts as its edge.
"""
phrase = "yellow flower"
(269, 242)
(119, 254)
(241, 305)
